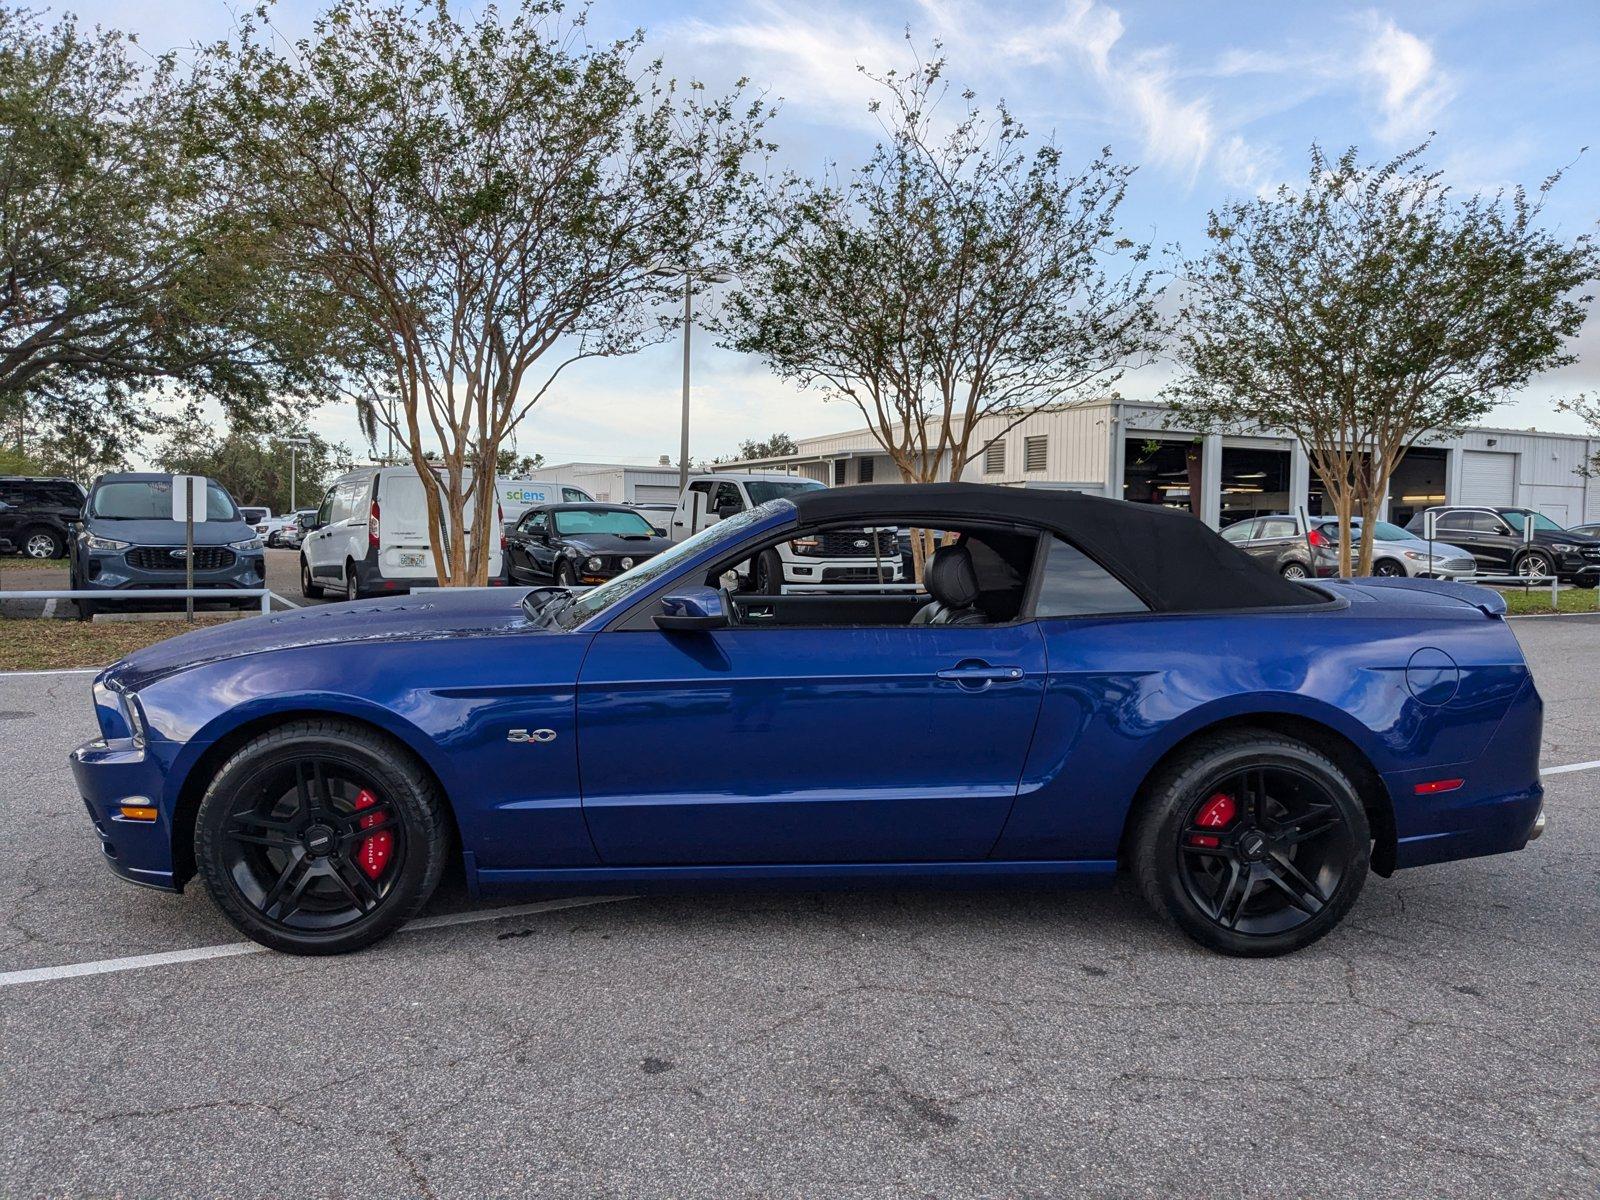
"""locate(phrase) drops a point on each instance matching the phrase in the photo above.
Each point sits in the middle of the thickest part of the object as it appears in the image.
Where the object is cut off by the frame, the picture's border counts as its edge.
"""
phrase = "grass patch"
(35, 644)
(16, 562)
(1532, 601)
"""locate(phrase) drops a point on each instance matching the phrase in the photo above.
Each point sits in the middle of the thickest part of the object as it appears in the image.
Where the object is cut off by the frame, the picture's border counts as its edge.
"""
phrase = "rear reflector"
(1438, 785)
(137, 812)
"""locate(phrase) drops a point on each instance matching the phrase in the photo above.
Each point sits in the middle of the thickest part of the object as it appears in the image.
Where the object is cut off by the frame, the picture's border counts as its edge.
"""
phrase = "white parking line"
(51, 671)
(107, 966)
(1570, 767)
(49, 609)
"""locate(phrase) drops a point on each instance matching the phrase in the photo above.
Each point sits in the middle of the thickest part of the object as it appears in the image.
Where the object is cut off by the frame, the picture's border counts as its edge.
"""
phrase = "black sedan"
(572, 544)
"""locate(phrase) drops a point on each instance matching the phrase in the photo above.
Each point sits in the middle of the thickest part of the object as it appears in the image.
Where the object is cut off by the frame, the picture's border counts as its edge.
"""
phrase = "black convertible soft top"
(1169, 558)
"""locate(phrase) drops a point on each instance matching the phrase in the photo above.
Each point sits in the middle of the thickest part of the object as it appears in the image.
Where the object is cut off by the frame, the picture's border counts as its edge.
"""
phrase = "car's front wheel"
(1535, 565)
(1252, 843)
(1387, 568)
(564, 576)
(320, 837)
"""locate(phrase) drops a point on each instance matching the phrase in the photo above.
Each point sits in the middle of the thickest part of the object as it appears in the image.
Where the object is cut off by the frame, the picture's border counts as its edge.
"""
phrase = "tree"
(775, 446)
(487, 197)
(949, 279)
(1587, 408)
(508, 462)
(1369, 308)
(252, 463)
(126, 256)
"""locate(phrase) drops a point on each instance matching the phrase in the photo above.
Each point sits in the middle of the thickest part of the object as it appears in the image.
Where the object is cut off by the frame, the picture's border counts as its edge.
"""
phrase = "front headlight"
(1564, 548)
(248, 544)
(92, 542)
(120, 715)
(593, 564)
(1416, 555)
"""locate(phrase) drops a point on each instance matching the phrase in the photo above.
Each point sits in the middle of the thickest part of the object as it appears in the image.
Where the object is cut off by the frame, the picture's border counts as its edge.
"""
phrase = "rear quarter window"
(1074, 585)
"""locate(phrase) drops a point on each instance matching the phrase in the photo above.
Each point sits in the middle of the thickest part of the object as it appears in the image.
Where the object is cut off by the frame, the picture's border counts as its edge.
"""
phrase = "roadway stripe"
(52, 671)
(49, 609)
(1570, 767)
(107, 966)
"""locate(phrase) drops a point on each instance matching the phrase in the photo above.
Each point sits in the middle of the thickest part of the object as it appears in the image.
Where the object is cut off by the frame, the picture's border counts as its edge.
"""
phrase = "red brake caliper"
(1216, 813)
(372, 855)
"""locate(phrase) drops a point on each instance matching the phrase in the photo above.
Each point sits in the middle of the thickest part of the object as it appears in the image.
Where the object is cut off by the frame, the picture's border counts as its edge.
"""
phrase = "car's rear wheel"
(352, 582)
(1252, 843)
(320, 837)
(308, 589)
(1294, 570)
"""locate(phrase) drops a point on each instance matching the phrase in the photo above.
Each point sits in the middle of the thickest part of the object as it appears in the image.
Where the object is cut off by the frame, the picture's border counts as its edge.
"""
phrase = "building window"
(1035, 453)
(994, 457)
(838, 472)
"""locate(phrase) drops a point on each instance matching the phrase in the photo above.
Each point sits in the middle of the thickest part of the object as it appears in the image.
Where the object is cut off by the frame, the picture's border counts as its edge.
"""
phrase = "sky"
(1211, 99)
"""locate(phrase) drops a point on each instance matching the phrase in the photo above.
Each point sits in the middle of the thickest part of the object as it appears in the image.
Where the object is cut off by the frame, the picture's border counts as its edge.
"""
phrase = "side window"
(1239, 531)
(1455, 520)
(534, 523)
(1493, 524)
(1075, 585)
(727, 493)
(573, 496)
(1276, 529)
(329, 503)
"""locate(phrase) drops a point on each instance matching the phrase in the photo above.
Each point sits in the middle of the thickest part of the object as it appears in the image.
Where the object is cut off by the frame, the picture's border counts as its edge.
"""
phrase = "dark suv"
(35, 514)
(1497, 538)
(129, 540)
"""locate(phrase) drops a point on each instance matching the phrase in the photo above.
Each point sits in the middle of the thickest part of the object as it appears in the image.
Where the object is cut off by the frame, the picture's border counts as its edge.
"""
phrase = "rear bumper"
(113, 772)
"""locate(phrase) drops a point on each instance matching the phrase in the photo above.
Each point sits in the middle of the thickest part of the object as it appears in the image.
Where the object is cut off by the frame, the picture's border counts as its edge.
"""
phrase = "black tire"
(41, 542)
(1294, 570)
(352, 583)
(1387, 568)
(279, 841)
(768, 579)
(564, 576)
(1535, 564)
(1310, 840)
(308, 589)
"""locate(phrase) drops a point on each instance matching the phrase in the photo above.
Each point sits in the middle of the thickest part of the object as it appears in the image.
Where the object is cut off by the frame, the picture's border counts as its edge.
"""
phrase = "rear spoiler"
(1486, 600)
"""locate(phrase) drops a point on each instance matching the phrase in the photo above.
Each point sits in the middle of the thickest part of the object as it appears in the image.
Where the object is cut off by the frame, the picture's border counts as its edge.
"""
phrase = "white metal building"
(616, 483)
(1125, 449)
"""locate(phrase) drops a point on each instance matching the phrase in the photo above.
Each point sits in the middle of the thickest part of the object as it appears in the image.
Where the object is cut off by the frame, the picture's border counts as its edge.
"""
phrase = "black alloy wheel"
(320, 837)
(352, 583)
(1253, 844)
(769, 574)
(564, 576)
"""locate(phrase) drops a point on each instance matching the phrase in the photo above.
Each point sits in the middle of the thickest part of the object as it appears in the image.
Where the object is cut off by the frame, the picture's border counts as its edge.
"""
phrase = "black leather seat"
(952, 581)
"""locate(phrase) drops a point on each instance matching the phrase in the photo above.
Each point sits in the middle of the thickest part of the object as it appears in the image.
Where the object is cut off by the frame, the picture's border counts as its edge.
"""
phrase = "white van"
(371, 537)
(517, 496)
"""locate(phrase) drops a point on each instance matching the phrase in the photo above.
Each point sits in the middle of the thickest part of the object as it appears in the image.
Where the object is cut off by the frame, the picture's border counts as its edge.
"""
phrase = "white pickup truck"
(832, 557)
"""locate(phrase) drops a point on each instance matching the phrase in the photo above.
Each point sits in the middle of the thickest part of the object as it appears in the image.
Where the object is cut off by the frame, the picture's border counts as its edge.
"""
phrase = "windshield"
(603, 520)
(646, 573)
(762, 490)
(1382, 530)
(1541, 522)
(151, 500)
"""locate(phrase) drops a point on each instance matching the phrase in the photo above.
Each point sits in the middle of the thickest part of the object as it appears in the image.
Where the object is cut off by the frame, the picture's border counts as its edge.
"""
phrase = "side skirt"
(793, 876)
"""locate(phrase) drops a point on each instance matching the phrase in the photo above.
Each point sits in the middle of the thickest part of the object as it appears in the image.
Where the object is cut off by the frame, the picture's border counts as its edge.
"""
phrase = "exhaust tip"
(1538, 827)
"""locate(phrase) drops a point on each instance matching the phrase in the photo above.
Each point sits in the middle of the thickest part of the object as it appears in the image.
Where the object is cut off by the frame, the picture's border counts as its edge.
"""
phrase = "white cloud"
(1407, 83)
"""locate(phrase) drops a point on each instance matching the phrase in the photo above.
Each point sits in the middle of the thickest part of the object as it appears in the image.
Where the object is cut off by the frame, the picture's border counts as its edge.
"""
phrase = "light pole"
(690, 273)
(295, 444)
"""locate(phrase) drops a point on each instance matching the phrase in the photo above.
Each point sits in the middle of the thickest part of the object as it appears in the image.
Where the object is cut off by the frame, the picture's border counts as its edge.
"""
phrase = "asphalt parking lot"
(1442, 1042)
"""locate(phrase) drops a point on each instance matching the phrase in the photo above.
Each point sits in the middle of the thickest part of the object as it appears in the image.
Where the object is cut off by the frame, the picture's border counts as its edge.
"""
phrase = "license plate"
(410, 560)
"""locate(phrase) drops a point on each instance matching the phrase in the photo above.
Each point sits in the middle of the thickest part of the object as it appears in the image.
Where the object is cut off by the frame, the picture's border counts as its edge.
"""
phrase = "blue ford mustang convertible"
(1085, 685)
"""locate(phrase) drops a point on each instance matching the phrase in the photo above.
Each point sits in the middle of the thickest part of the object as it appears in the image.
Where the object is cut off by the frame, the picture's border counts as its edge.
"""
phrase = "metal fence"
(264, 595)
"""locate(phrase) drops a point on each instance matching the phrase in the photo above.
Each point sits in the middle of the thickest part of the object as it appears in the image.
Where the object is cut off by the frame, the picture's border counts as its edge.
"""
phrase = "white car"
(517, 496)
(1396, 551)
(371, 537)
(834, 557)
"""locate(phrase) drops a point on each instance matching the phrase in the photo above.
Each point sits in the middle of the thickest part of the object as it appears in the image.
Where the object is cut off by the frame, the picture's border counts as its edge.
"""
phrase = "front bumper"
(111, 772)
(110, 571)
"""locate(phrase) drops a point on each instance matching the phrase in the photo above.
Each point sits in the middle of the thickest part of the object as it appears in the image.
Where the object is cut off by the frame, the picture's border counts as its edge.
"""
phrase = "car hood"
(170, 533)
(436, 614)
(610, 543)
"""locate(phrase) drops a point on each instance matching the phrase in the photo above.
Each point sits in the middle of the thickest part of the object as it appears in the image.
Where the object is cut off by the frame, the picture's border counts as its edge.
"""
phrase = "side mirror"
(731, 509)
(693, 609)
